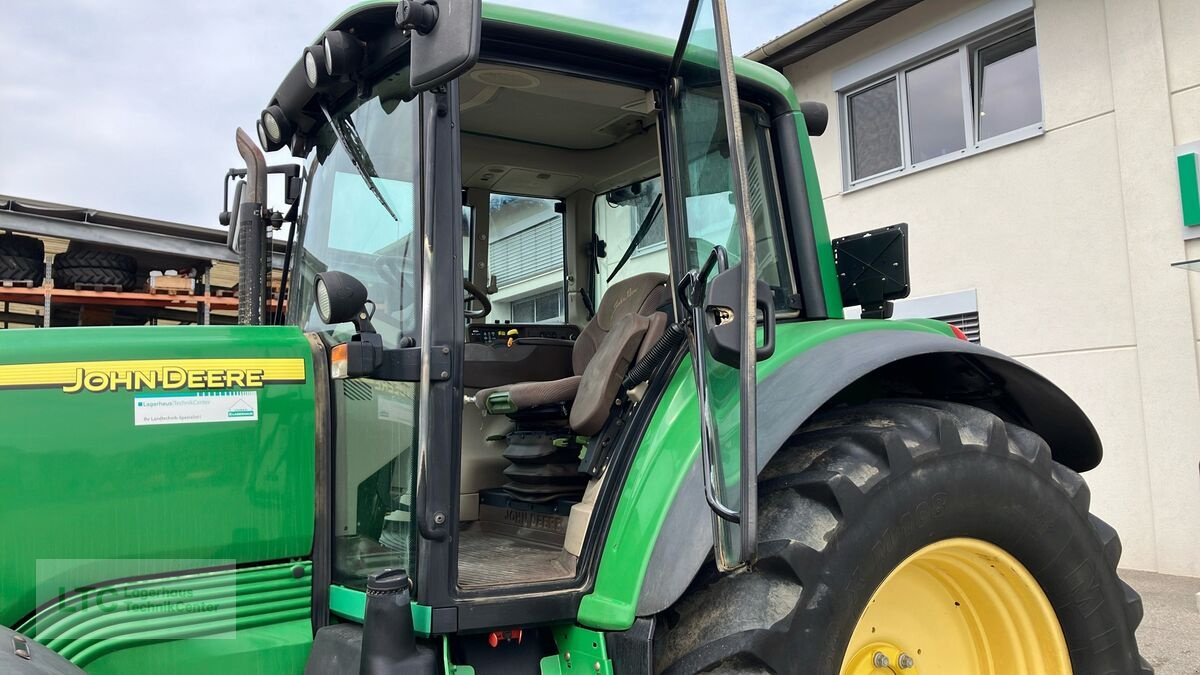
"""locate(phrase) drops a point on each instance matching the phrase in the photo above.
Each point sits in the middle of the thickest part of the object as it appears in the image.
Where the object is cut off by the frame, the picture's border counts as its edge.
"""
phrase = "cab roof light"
(315, 71)
(343, 53)
(276, 128)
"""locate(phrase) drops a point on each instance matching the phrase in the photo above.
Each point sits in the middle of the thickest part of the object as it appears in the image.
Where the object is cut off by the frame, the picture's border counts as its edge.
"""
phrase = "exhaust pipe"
(252, 235)
(389, 643)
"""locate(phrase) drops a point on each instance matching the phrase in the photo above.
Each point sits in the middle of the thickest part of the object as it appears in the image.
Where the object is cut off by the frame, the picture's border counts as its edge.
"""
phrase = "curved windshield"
(361, 215)
(361, 219)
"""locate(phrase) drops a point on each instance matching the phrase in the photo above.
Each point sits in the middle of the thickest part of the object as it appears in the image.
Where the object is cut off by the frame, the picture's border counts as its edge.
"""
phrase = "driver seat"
(627, 324)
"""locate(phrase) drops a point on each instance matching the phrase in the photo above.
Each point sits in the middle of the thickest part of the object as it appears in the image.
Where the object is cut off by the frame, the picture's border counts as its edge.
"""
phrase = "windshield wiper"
(347, 134)
(642, 230)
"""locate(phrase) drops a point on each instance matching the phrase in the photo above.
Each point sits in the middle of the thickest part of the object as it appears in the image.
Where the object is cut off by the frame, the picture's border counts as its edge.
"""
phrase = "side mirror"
(816, 117)
(445, 39)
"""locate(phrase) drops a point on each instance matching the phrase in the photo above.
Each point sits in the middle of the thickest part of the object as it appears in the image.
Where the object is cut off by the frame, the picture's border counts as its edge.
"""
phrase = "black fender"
(855, 369)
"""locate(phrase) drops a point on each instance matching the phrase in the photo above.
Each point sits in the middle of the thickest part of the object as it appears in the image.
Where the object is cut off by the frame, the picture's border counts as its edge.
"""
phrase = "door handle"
(766, 304)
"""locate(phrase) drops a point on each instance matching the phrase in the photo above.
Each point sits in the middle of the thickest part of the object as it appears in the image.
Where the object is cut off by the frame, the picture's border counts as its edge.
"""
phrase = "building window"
(1009, 90)
(528, 253)
(957, 101)
(875, 129)
(541, 308)
(935, 109)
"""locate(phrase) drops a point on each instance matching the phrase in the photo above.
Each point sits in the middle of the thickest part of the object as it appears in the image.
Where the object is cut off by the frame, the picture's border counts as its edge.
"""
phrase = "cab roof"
(761, 75)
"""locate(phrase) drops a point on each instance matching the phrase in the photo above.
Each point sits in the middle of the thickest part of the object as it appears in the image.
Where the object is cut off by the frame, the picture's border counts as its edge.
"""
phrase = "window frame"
(559, 316)
(967, 49)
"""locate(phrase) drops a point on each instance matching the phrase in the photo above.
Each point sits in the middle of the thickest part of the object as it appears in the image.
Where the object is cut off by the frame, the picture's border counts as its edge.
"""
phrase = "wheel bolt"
(904, 661)
(881, 660)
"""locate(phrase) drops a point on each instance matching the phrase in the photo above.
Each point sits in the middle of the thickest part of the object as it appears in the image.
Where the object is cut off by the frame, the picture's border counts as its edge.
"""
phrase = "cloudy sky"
(131, 105)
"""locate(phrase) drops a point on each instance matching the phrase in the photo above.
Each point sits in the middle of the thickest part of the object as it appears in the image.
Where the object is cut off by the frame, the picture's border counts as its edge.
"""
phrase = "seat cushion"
(520, 395)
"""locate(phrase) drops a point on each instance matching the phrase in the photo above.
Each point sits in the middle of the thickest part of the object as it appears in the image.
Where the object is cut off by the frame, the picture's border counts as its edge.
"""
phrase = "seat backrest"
(640, 294)
(626, 324)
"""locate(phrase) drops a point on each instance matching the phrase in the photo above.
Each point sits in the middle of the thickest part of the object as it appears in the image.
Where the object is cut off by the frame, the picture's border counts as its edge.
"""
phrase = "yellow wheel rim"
(960, 606)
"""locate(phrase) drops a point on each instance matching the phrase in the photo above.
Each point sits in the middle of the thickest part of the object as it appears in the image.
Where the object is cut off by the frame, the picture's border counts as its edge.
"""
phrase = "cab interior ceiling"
(547, 134)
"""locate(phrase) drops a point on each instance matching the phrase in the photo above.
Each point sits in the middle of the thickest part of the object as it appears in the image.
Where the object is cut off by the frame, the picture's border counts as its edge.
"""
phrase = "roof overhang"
(133, 233)
(835, 25)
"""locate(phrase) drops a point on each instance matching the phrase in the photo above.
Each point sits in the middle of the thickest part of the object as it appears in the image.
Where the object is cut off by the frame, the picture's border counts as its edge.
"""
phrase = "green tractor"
(644, 439)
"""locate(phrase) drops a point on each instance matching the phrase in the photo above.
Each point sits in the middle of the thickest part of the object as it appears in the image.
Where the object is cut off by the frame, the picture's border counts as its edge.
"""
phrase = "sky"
(131, 105)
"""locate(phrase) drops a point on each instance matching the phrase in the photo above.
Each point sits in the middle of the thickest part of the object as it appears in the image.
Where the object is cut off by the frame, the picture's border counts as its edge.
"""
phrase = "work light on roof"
(314, 65)
(343, 53)
(275, 129)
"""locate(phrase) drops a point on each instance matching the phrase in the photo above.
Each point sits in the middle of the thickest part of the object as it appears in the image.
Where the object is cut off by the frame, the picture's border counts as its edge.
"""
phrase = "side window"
(774, 267)
(618, 215)
(710, 211)
(525, 254)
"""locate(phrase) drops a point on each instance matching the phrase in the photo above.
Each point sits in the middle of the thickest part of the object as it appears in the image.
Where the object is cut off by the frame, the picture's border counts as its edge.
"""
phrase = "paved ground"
(1169, 636)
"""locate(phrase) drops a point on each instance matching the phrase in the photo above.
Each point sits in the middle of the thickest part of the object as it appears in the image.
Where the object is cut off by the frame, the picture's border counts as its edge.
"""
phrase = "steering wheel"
(477, 294)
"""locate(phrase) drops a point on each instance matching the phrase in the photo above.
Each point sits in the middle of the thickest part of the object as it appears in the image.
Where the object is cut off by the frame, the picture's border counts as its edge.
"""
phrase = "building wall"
(1068, 238)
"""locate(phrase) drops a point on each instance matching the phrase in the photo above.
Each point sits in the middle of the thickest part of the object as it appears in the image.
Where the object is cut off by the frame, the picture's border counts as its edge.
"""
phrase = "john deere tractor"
(558, 380)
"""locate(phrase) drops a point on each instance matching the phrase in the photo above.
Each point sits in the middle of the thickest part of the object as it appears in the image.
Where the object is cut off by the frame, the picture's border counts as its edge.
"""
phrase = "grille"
(967, 322)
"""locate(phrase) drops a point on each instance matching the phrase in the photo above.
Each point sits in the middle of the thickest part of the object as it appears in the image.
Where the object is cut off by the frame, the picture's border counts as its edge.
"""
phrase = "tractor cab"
(560, 351)
(504, 266)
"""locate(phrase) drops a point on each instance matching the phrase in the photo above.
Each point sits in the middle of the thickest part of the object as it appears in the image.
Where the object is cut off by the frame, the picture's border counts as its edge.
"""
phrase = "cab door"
(710, 195)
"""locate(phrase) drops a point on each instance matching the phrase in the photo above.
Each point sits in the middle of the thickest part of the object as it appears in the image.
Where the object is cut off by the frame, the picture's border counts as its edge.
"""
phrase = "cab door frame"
(729, 473)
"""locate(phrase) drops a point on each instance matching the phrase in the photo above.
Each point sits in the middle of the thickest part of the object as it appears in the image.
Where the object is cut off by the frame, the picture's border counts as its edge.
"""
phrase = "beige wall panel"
(1181, 38)
(1185, 110)
(1036, 227)
(1165, 339)
(1104, 384)
(1073, 60)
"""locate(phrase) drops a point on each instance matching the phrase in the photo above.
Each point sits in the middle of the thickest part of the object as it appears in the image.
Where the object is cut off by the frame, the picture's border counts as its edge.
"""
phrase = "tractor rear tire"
(96, 259)
(70, 277)
(15, 268)
(862, 490)
(22, 247)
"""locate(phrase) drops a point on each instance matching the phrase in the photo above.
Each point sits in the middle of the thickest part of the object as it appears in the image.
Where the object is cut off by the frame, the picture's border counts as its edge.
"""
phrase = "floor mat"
(490, 558)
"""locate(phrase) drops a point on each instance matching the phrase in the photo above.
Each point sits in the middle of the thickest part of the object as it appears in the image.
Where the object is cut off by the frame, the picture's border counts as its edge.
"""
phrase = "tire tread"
(822, 477)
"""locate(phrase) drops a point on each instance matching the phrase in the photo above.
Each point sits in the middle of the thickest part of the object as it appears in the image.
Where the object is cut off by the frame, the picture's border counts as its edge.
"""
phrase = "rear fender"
(857, 368)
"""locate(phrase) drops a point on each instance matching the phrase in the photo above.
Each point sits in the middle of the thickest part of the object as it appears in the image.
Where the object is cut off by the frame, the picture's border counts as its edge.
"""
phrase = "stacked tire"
(89, 268)
(22, 259)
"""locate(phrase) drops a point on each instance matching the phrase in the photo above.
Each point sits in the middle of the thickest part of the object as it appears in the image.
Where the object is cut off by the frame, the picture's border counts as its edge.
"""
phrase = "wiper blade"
(643, 229)
(347, 134)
